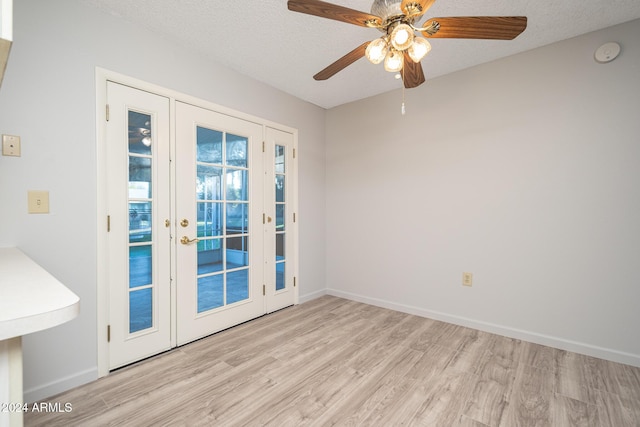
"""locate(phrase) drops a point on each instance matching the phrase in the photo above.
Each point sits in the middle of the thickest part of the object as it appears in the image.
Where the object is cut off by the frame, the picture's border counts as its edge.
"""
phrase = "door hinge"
(263, 146)
(107, 112)
(108, 223)
(294, 281)
(294, 217)
(264, 290)
(108, 333)
(294, 153)
(264, 218)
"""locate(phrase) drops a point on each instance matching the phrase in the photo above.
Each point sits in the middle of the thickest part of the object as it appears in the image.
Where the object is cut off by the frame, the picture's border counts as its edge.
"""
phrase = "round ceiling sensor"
(607, 52)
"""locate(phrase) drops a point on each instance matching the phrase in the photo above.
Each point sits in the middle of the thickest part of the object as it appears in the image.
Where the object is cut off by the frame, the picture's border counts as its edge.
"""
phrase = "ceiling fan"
(399, 47)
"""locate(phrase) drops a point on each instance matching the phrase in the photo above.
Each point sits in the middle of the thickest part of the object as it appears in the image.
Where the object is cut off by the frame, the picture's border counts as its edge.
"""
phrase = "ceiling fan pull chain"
(403, 109)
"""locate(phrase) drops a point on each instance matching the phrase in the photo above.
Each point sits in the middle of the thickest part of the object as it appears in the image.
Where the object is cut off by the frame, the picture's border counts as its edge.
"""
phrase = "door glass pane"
(237, 286)
(237, 218)
(279, 246)
(209, 146)
(237, 188)
(140, 212)
(209, 219)
(280, 188)
(140, 272)
(223, 218)
(140, 310)
(139, 222)
(210, 292)
(209, 183)
(139, 133)
(237, 252)
(280, 167)
(280, 217)
(280, 156)
(280, 276)
(237, 150)
(209, 256)
(139, 177)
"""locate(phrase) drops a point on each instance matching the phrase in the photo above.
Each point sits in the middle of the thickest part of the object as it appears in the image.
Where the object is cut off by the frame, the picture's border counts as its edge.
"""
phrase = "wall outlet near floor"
(467, 279)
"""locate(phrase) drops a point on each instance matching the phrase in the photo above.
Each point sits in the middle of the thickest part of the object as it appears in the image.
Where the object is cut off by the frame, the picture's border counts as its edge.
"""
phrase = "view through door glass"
(280, 174)
(140, 197)
(223, 218)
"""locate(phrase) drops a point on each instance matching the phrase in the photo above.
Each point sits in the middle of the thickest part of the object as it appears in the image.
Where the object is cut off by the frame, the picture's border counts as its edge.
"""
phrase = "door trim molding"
(102, 76)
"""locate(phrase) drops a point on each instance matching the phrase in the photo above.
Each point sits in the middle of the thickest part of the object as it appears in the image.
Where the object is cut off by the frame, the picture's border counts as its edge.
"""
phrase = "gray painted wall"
(522, 171)
(48, 98)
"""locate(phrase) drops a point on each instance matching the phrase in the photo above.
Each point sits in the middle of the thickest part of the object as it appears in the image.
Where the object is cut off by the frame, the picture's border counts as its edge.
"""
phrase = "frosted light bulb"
(376, 50)
(402, 37)
(419, 49)
(394, 61)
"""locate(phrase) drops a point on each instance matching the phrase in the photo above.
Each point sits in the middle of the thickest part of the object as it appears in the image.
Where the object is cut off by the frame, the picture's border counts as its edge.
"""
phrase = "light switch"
(38, 201)
(10, 145)
(467, 279)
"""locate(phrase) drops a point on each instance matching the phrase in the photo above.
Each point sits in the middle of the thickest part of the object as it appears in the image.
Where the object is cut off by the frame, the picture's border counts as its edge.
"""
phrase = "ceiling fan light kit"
(377, 50)
(400, 48)
(394, 61)
(419, 49)
(402, 36)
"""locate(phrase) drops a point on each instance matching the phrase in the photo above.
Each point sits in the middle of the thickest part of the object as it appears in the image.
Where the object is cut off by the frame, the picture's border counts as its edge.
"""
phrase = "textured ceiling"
(264, 40)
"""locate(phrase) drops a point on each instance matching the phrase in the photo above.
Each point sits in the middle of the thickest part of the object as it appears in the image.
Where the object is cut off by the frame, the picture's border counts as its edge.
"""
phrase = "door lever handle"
(186, 241)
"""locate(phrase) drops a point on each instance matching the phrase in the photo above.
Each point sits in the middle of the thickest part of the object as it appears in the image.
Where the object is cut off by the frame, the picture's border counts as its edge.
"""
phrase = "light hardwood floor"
(337, 362)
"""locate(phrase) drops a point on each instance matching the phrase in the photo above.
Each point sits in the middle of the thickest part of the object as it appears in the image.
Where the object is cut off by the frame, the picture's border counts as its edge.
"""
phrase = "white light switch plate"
(10, 145)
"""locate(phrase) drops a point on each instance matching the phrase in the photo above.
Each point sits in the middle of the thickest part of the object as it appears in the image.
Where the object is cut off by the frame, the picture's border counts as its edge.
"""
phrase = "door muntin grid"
(222, 205)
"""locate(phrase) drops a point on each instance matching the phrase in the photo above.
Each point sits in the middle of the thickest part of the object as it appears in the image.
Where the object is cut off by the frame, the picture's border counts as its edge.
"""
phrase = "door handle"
(186, 241)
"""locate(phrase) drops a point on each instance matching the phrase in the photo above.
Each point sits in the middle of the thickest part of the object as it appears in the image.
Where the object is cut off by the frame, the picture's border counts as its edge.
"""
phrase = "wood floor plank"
(530, 398)
(570, 412)
(487, 401)
(337, 362)
(539, 356)
(613, 412)
(378, 384)
(440, 403)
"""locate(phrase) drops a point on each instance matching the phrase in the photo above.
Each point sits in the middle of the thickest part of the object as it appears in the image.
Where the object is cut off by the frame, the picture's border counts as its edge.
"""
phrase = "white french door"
(219, 206)
(202, 223)
(281, 223)
(138, 237)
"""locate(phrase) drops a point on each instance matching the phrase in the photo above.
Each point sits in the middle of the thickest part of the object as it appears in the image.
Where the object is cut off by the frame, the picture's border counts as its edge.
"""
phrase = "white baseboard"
(45, 391)
(550, 341)
(311, 296)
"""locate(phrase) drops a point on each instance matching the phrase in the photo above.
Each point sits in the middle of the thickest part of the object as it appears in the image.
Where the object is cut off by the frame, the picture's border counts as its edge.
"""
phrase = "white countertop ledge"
(31, 299)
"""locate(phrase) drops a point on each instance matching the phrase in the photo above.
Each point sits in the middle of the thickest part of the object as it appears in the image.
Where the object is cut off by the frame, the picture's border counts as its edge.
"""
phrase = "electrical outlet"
(467, 279)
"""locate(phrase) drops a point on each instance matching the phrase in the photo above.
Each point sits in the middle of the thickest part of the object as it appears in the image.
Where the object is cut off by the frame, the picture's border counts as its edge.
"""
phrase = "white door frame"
(102, 76)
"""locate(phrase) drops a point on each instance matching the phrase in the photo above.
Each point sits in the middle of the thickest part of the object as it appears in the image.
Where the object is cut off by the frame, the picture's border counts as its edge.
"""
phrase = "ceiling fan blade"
(342, 63)
(415, 7)
(412, 73)
(333, 11)
(478, 27)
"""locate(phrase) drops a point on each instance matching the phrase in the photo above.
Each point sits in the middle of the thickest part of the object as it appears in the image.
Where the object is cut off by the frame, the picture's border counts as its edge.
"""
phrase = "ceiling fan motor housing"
(386, 9)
